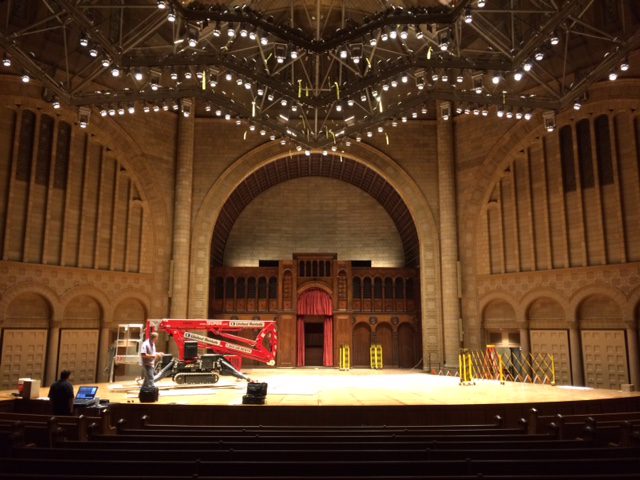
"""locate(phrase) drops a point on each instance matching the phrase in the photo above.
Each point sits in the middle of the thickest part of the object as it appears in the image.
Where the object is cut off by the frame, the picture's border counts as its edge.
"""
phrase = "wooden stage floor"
(325, 387)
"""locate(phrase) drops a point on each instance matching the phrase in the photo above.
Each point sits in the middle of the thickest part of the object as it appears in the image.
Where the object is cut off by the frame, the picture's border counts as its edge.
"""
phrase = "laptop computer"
(86, 396)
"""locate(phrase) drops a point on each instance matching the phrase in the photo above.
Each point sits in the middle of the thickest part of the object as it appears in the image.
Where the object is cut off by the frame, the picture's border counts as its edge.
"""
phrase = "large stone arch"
(584, 293)
(406, 187)
(28, 287)
(90, 291)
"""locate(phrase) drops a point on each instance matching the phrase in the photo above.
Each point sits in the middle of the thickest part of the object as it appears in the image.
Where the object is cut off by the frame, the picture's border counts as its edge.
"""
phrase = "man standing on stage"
(61, 395)
(148, 356)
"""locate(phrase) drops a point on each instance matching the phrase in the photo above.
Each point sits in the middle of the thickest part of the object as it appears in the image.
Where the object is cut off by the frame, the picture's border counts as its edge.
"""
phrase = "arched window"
(262, 287)
(583, 132)
(273, 287)
(367, 288)
(218, 291)
(603, 147)
(357, 287)
(229, 288)
(566, 158)
(241, 291)
(377, 287)
(388, 287)
(399, 288)
(251, 287)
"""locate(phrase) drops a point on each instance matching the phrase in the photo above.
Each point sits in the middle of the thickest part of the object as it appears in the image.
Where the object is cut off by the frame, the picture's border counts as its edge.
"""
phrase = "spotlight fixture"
(115, 72)
(404, 33)
(293, 53)
(121, 110)
(216, 32)
(528, 116)
(103, 112)
(445, 111)
(106, 62)
(613, 75)
(577, 105)
(162, 4)
(231, 32)
(468, 15)
(264, 39)
(526, 66)
(84, 40)
(343, 53)
(84, 113)
(55, 103)
(393, 34)
(549, 120)
(6, 61)
(554, 39)
(244, 33)
(517, 75)
(93, 52)
(444, 40)
(154, 79)
(192, 36)
(138, 75)
(481, 3)
(373, 41)
(186, 105)
(25, 78)
(478, 83)
(624, 66)
(280, 52)
(171, 15)
(357, 50)
(131, 108)
(496, 78)
(539, 55)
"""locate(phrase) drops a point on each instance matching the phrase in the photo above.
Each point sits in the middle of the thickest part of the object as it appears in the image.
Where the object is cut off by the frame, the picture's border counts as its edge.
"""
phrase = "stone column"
(52, 354)
(104, 355)
(448, 239)
(634, 360)
(182, 216)
(576, 356)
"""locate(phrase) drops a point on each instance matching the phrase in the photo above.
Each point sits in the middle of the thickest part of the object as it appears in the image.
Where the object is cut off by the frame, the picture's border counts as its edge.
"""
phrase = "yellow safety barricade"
(345, 357)
(465, 368)
(375, 355)
(490, 365)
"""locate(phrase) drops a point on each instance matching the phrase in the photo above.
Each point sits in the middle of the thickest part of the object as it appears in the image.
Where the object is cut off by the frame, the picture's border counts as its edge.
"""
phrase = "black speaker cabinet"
(255, 389)
(190, 350)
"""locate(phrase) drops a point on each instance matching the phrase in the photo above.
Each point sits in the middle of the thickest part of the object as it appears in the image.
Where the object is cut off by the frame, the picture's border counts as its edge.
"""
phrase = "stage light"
(84, 40)
(239, 82)
(231, 32)
(146, 108)
(528, 116)
(373, 41)
(264, 39)
(216, 32)
(549, 120)
(518, 115)
(404, 33)
(484, 111)
(263, 132)
(307, 152)
(393, 34)
(613, 75)
(165, 107)
(343, 52)
(325, 153)
(186, 105)
(351, 102)
(384, 36)
(554, 39)
(154, 79)
(174, 106)
(363, 97)
(171, 15)
(347, 143)
(280, 52)
(445, 111)
(496, 78)
(419, 34)
(283, 102)
(539, 55)
(93, 52)
(385, 87)
(106, 62)
(444, 77)
(270, 97)
(228, 76)
(423, 110)
(156, 108)
(112, 111)
(115, 72)
(334, 148)
(403, 119)
(517, 75)
(192, 39)
(294, 107)
(500, 112)
(56, 104)
(293, 54)
(162, 4)
(481, 3)
(394, 83)
(244, 33)
(6, 61)
(357, 50)
(131, 109)
(338, 107)
(358, 138)
(103, 112)
(509, 113)
(527, 66)
(227, 116)
(218, 112)
(84, 113)
(138, 75)
(478, 83)
(25, 78)
(369, 134)
(577, 105)
(624, 66)
(394, 122)
(121, 110)
(468, 15)
(420, 83)
(444, 41)
(260, 91)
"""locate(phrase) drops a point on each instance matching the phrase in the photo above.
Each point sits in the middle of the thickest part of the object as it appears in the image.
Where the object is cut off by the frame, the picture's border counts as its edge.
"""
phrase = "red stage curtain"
(315, 302)
(327, 359)
(300, 357)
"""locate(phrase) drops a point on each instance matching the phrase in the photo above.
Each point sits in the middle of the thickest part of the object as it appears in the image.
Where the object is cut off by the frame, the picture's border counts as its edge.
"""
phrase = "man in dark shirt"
(61, 395)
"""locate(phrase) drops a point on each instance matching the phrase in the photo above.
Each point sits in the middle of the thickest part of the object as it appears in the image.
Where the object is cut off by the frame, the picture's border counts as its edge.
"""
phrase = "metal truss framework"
(293, 78)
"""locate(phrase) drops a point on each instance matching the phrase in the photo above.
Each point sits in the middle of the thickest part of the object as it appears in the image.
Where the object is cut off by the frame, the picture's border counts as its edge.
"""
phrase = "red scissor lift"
(221, 341)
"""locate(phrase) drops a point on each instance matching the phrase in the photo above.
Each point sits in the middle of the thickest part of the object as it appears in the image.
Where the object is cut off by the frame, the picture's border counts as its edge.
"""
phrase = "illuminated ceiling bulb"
(554, 39)
(358, 138)
(348, 143)
(93, 52)
(624, 66)
(231, 32)
(228, 76)
(380, 129)
(138, 75)
(517, 75)
(252, 128)
(192, 42)
(393, 34)
(307, 152)
(260, 91)
(298, 148)
(460, 78)
(423, 110)
(218, 112)
(369, 134)
(518, 115)
(264, 39)
(171, 15)
(334, 148)
(84, 40)
(146, 108)
(385, 87)
(394, 83)
(283, 102)
(131, 109)
(112, 111)
(484, 111)
(338, 107)
(6, 61)
(175, 106)
(343, 52)
(577, 105)
(115, 72)
(207, 107)
(613, 75)
(188, 75)
(162, 4)
(500, 112)
(106, 62)
(270, 97)
(325, 153)
(403, 119)
(56, 104)
(414, 114)
(435, 76)
(216, 32)
(384, 36)
(420, 83)
(363, 97)
(394, 123)
(539, 55)
(121, 111)
(496, 78)
(272, 137)
(247, 86)
(156, 108)
(468, 15)
(252, 35)
(476, 111)
(263, 132)
(528, 116)
(293, 54)
(509, 114)
(294, 107)
(404, 78)
(404, 33)
(373, 41)
(238, 122)
(227, 116)
(444, 77)
(244, 33)
(103, 112)
(282, 141)
(467, 110)
(239, 82)
(481, 3)
(165, 107)
(527, 66)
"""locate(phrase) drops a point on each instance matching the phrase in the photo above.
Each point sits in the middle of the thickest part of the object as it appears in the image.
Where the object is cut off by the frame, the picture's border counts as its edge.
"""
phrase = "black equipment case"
(148, 394)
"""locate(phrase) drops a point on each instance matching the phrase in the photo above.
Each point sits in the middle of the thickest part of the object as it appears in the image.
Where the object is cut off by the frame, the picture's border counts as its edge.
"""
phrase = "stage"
(326, 387)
